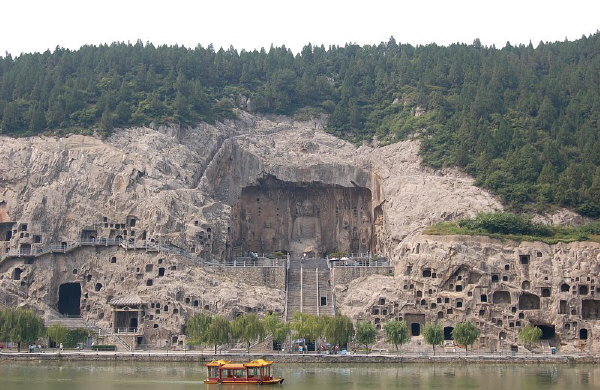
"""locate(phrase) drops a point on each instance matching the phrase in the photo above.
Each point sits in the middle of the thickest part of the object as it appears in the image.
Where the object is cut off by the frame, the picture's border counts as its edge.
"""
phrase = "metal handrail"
(360, 263)
(148, 246)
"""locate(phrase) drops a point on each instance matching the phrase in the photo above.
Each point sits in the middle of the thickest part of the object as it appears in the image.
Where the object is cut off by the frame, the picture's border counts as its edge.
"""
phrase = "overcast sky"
(36, 25)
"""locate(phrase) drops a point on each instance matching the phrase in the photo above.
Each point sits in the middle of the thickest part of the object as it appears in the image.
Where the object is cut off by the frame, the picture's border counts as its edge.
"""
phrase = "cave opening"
(590, 309)
(415, 329)
(69, 299)
(17, 274)
(127, 319)
(501, 296)
(6, 230)
(297, 218)
(448, 333)
(548, 332)
(529, 302)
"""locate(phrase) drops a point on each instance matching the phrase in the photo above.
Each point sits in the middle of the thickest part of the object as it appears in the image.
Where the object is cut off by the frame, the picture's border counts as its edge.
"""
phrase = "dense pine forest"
(523, 120)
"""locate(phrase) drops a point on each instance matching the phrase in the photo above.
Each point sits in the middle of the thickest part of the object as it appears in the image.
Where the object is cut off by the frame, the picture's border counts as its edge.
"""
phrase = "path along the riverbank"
(194, 356)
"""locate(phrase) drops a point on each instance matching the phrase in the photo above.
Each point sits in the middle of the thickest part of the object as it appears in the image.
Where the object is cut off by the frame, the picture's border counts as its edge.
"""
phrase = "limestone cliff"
(175, 198)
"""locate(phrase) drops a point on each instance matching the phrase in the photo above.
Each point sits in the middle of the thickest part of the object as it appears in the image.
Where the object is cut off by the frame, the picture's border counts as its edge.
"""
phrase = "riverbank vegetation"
(516, 227)
(18, 325)
(522, 120)
(21, 326)
(330, 332)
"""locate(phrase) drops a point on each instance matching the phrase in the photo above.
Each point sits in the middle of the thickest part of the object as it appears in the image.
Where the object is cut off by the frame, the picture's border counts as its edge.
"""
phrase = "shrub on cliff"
(506, 223)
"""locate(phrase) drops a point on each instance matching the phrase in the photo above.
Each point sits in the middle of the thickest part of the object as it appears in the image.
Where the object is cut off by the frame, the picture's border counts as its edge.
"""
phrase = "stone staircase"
(294, 293)
(52, 317)
(309, 288)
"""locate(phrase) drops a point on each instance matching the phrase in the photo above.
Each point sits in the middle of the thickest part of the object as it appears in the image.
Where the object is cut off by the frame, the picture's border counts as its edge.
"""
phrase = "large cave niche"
(312, 218)
(6, 230)
(69, 299)
(500, 297)
(590, 309)
(529, 302)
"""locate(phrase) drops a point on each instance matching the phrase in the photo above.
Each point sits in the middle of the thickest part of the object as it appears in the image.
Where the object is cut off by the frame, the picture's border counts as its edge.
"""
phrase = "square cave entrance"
(312, 218)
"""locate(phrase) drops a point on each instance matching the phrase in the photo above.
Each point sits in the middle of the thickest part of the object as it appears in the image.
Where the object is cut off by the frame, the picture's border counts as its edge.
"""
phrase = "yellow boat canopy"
(226, 364)
(258, 363)
(234, 366)
(217, 363)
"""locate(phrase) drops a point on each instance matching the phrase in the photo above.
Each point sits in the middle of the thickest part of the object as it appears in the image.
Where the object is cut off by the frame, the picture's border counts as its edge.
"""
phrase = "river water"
(180, 376)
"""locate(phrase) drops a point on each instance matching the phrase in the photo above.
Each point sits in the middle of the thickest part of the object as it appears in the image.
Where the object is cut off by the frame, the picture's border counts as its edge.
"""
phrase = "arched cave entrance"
(301, 218)
(133, 322)
(415, 329)
(583, 334)
(69, 299)
(548, 332)
(448, 333)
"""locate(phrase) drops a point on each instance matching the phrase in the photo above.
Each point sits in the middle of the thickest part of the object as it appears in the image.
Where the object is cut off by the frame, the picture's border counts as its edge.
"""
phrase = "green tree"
(76, 336)
(57, 333)
(21, 326)
(338, 329)
(122, 113)
(274, 327)
(396, 332)
(11, 121)
(106, 123)
(218, 332)
(433, 334)
(196, 329)
(365, 333)
(306, 326)
(248, 328)
(465, 333)
(530, 334)
(37, 120)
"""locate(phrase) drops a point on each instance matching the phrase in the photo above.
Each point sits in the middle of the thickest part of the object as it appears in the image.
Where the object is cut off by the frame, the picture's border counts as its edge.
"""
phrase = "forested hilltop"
(523, 120)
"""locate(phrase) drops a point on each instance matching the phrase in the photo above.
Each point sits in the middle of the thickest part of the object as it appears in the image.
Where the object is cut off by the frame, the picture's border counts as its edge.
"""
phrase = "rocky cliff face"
(499, 285)
(196, 190)
(175, 184)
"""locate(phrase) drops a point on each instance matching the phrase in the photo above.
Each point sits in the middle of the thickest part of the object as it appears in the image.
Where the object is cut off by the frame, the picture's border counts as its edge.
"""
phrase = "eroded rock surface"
(499, 285)
(196, 190)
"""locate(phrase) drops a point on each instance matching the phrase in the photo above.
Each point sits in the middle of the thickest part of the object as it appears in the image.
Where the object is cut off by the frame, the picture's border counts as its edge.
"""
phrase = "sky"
(37, 25)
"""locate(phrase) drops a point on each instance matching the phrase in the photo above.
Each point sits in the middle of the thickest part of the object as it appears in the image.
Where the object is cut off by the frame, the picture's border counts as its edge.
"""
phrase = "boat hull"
(273, 381)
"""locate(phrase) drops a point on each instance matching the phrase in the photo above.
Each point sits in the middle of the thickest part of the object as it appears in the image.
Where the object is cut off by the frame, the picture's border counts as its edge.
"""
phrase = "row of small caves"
(16, 235)
(497, 307)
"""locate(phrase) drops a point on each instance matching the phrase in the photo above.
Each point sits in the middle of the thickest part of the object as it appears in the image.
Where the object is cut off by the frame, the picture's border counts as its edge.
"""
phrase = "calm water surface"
(180, 376)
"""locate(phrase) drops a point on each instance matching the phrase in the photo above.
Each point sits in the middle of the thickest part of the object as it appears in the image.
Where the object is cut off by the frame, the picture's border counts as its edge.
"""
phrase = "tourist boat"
(256, 372)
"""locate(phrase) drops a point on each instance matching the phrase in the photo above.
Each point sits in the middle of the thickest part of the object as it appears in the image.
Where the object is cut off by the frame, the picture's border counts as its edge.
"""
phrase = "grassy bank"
(515, 227)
